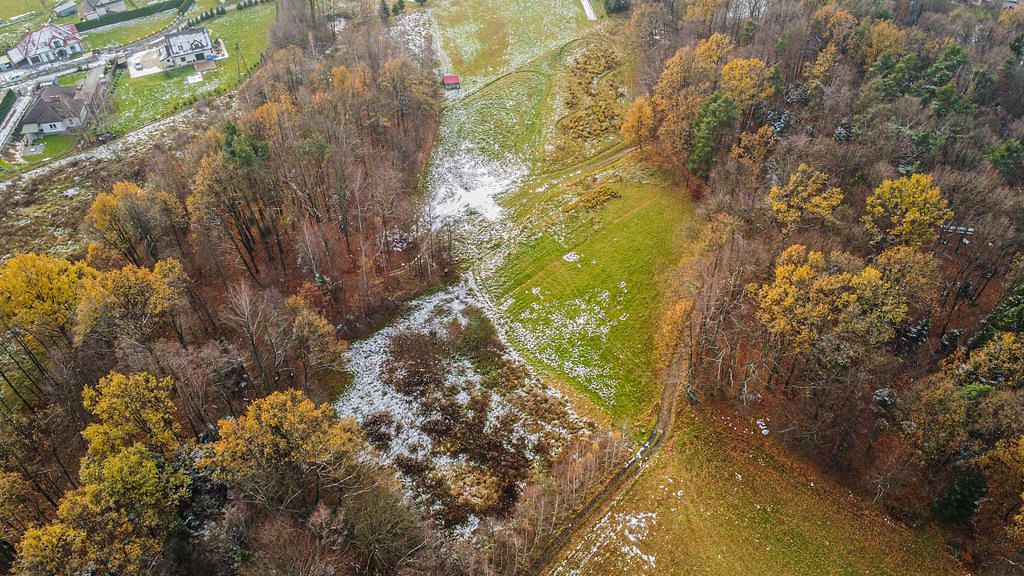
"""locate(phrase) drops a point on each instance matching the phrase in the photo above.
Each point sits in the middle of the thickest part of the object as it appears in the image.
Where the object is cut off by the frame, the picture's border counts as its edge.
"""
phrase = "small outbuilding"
(451, 82)
(65, 9)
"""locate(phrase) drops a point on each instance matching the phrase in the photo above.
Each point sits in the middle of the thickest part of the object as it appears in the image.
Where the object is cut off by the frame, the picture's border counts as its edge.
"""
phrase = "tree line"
(859, 168)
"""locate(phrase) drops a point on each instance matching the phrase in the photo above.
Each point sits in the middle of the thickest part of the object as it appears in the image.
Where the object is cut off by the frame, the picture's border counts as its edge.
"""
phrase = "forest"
(860, 164)
(166, 395)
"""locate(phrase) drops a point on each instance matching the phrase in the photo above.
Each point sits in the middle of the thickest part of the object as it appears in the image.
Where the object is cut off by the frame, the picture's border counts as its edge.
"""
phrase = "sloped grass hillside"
(723, 500)
(485, 38)
(580, 291)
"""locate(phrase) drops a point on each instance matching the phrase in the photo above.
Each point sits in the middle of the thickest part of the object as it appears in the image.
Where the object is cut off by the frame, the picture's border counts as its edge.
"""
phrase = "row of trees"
(860, 170)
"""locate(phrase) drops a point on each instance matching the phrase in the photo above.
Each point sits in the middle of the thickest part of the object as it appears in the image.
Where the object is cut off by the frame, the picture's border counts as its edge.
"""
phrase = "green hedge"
(181, 5)
(6, 104)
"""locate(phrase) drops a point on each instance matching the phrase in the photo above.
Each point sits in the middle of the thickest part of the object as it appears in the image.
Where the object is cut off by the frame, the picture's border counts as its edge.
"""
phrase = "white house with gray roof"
(185, 47)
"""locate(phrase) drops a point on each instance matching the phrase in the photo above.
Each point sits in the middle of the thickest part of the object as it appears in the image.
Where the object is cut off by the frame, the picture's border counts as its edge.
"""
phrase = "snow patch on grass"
(552, 331)
(465, 182)
(619, 536)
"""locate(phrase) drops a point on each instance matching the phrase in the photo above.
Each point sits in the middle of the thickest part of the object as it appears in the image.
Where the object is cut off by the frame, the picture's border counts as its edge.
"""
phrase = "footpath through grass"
(720, 499)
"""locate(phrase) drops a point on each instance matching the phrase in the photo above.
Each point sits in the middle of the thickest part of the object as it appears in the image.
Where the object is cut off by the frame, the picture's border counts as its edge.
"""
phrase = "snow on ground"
(414, 32)
(551, 331)
(540, 415)
(465, 182)
(369, 394)
(616, 540)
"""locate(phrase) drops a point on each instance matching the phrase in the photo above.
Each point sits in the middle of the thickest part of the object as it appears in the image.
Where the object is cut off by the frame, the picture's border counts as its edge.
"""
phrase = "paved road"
(13, 118)
(589, 10)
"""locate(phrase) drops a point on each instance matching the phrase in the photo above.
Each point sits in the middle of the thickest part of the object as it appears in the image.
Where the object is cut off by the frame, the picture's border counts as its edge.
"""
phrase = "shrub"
(958, 503)
(612, 6)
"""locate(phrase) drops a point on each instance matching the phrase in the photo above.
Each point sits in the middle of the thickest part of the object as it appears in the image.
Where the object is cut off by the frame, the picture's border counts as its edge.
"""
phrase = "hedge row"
(6, 104)
(249, 3)
(181, 5)
(218, 11)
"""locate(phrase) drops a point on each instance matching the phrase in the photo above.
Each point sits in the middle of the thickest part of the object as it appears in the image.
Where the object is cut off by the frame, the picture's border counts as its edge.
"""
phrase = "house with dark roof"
(185, 47)
(93, 9)
(54, 111)
(49, 43)
(57, 109)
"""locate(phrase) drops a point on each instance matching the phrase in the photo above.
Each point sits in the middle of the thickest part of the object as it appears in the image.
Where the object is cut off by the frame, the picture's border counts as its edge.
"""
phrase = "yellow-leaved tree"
(118, 519)
(883, 37)
(908, 211)
(812, 295)
(746, 81)
(287, 453)
(638, 125)
(39, 294)
(130, 302)
(806, 196)
(134, 222)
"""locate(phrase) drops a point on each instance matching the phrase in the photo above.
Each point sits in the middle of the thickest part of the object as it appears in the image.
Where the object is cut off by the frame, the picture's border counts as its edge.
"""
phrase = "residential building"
(65, 9)
(185, 47)
(54, 111)
(93, 9)
(49, 43)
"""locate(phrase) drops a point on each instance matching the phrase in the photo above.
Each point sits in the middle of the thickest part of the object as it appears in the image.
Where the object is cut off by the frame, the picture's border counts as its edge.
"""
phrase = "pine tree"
(384, 11)
(398, 7)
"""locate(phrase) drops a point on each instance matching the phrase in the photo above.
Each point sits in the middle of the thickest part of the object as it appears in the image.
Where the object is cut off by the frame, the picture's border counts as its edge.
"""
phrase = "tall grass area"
(143, 100)
(128, 31)
(723, 500)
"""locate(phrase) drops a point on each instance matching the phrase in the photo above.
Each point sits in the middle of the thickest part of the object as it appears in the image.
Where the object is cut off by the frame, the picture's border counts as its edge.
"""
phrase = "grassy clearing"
(581, 290)
(10, 33)
(722, 500)
(144, 100)
(71, 79)
(10, 8)
(575, 288)
(128, 31)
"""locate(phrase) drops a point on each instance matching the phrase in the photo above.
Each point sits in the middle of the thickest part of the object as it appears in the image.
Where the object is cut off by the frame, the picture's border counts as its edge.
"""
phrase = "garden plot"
(463, 421)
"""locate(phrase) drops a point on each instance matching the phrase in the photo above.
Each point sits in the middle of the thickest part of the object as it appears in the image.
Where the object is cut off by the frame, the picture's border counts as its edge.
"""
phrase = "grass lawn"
(143, 100)
(485, 38)
(55, 145)
(128, 31)
(10, 8)
(201, 6)
(722, 500)
(581, 291)
(71, 79)
(11, 33)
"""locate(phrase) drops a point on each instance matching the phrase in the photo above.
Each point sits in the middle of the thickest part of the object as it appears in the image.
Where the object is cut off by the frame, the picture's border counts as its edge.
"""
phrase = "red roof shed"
(451, 82)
